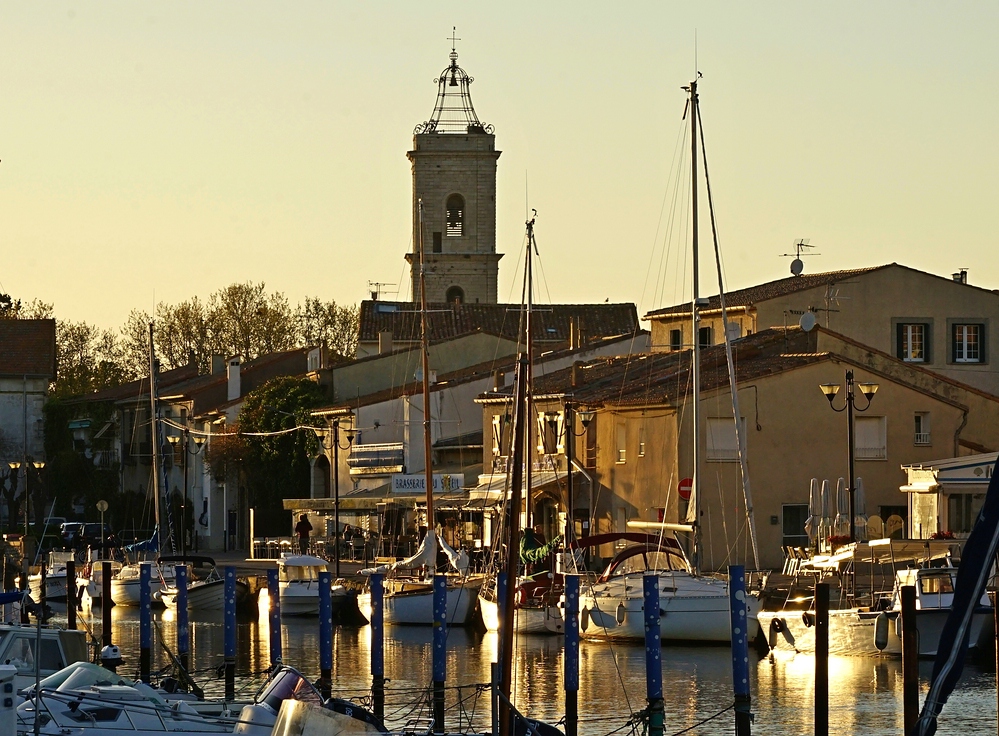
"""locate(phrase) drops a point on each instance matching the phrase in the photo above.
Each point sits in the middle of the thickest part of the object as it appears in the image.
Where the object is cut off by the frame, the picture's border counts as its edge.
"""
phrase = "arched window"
(455, 215)
(455, 295)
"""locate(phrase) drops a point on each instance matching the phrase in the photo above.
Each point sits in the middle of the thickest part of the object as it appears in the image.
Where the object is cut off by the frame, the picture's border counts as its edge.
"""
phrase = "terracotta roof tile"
(27, 347)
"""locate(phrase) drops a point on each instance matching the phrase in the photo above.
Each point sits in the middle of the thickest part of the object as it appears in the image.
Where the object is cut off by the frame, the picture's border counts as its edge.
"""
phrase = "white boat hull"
(693, 609)
(527, 619)
(55, 588)
(851, 631)
(417, 607)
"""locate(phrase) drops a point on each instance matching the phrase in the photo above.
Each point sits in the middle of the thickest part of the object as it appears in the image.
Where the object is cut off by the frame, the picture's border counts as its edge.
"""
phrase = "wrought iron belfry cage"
(453, 111)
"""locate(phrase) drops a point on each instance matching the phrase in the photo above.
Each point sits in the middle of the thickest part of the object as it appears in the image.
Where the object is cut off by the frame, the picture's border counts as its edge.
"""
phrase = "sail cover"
(972, 575)
(426, 554)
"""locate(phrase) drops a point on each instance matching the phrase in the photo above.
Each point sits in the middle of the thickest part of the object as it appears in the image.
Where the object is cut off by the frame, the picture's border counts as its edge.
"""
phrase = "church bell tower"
(454, 175)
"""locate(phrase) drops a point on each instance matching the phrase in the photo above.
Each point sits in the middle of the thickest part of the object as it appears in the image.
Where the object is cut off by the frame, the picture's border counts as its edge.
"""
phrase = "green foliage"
(277, 466)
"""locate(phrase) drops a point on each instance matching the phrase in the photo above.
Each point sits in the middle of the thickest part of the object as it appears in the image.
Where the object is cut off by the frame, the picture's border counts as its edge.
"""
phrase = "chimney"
(577, 375)
(573, 333)
(218, 365)
(961, 276)
(385, 342)
(235, 390)
(499, 379)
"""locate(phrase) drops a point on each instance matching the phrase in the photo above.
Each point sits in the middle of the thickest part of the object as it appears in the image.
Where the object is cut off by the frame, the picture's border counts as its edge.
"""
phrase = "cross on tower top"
(454, 38)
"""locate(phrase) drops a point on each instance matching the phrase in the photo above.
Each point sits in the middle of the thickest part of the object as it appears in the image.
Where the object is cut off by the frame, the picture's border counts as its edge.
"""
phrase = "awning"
(926, 486)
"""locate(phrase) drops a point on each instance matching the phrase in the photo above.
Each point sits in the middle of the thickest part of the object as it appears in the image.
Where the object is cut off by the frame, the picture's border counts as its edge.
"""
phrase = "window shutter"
(900, 341)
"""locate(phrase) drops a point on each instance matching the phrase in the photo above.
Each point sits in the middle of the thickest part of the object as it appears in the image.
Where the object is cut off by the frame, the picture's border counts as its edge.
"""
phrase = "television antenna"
(797, 265)
(375, 287)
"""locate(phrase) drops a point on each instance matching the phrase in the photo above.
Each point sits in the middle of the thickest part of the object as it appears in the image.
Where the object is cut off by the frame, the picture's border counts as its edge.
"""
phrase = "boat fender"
(881, 631)
(622, 613)
(808, 618)
(898, 626)
(776, 625)
(584, 619)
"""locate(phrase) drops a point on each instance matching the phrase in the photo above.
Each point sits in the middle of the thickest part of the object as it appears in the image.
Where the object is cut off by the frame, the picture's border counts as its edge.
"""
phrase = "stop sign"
(686, 486)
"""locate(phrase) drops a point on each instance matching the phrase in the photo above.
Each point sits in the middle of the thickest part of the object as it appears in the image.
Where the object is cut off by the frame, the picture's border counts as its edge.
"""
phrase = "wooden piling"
(740, 650)
(653, 653)
(822, 659)
(71, 595)
(145, 622)
(106, 603)
(229, 646)
(910, 658)
(570, 660)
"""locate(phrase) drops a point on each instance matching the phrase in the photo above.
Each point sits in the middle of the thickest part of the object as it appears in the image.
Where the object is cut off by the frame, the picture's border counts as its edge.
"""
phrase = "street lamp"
(569, 422)
(199, 443)
(329, 439)
(868, 390)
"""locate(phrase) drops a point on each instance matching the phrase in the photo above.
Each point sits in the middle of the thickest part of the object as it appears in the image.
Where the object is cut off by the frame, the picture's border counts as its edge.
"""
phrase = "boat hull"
(416, 607)
(851, 631)
(209, 596)
(527, 619)
(55, 588)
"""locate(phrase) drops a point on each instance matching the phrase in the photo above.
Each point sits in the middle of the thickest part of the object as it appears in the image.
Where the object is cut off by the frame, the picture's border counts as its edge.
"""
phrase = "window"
(455, 295)
(913, 342)
(869, 438)
(922, 428)
(794, 516)
(962, 509)
(704, 337)
(501, 434)
(675, 339)
(622, 438)
(966, 344)
(438, 246)
(550, 426)
(723, 444)
(641, 441)
(455, 216)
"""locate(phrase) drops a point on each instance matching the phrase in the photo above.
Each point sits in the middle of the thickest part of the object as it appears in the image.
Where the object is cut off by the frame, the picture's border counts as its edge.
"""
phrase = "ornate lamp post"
(868, 390)
(329, 439)
(569, 425)
(199, 443)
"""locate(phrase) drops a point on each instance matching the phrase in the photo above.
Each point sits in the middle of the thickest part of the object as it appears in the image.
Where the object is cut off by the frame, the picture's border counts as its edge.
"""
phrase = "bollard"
(229, 616)
(377, 627)
(910, 659)
(571, 659)
(740, 649)
(145, 622)
(822, 659)
(183, 627)
(440, 650)
(106, 603)
(325, 635)
(71, 595)
(653, 653)
(274, 616)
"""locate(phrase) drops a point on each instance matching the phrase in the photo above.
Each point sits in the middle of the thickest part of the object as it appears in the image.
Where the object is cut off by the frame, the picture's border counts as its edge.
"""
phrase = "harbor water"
(865, 694)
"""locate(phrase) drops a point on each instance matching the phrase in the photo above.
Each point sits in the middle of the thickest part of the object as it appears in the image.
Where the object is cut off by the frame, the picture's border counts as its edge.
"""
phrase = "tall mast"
(530, 426)
(425, 354)
(154, 434)
(695, 354)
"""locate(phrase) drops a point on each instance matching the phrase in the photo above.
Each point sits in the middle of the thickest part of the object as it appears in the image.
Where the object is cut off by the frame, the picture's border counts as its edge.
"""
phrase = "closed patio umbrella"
(825, 526)
(841, 527)
(814, 511)
(860, 511)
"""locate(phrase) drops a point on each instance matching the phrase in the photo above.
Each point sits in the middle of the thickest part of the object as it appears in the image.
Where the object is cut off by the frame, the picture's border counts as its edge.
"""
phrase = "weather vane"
(454, 30)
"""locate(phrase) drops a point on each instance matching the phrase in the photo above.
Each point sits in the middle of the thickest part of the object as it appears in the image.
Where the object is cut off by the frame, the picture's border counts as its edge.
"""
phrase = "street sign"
(102, 506)
(686, 486)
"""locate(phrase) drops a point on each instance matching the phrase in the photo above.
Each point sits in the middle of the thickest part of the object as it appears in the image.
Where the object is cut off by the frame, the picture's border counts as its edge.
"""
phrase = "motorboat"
(59, 648)
(863, 621)
(298, 586)
(693, 608)
(89, 580)
(125, 590)
(204, 592)
(55, 578)
(538, 609)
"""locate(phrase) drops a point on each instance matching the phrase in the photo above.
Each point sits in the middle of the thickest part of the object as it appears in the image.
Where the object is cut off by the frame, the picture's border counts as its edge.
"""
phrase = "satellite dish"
(797, 266)
(807, 321)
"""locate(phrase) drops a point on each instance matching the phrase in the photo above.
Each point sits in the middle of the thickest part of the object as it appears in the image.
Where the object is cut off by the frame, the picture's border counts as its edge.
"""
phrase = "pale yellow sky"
(164, 150)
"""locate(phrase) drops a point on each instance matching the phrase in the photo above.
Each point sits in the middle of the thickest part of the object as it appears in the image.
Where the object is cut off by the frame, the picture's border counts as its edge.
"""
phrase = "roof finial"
(454, 54)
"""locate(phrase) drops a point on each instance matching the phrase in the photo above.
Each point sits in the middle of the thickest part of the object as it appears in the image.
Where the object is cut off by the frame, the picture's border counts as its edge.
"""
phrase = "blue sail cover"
(12, 597)
(148, 545)
(976, 563)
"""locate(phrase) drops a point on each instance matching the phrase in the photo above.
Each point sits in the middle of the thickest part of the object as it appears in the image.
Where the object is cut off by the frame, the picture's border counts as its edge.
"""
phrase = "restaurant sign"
(417, 483)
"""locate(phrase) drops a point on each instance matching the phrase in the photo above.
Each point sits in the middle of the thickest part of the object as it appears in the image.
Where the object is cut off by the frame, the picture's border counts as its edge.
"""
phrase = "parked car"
(71, 531)
(54, 524)
(92, 536)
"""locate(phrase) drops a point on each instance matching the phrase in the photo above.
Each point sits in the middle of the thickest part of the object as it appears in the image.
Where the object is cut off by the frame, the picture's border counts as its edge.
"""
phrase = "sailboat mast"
(154, 434)
(529, 426)
(425, 355)
(695, 353)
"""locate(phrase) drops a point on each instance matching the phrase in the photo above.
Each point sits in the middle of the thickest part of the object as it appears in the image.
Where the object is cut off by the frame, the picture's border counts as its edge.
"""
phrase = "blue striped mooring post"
(183, 627)
(145, 622)
(440, 650)
(274, 616)
(377, 627)
(740, 649)
(325, 635)
(571, 659)
(653, 653)
(229, 644)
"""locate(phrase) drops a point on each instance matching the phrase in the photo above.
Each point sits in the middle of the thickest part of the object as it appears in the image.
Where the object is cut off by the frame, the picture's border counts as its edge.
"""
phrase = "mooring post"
(377, 644)
(995, 628)
(71, 595)
(440, 650)
(570, 660)
(229, 645)
(183, 625)
(653, 654)
(106, 603)
(325, 635)
(740, 649)
(494, 678)
(501, 588)
(145, 622)
(821, 659)
(274, 618)
(910, 659)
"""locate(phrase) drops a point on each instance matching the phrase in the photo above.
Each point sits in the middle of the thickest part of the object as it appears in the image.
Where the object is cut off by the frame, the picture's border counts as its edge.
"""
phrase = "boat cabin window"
(291, 573)
(936, 584)
(288, 685)
(649, 560)
(21, 654)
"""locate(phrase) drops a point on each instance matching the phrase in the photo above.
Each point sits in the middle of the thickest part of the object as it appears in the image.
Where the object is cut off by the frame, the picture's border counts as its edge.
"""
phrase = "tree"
(245, 320)
(88, 359)
(182, 335)
(277, 465)
(330, 325)
(135, 343)
(11, 308)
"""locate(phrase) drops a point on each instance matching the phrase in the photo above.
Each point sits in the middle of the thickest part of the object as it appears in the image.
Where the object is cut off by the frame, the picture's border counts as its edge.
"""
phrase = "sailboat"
(694, 607)
(408, 599)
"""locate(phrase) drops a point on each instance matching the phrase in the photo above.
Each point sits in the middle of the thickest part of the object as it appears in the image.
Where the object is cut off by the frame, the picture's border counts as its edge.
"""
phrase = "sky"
(155, 151)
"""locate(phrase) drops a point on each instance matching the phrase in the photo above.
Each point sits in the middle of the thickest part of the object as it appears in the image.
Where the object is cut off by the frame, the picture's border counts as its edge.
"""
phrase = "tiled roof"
(550, 322)
(664, 378)
(27, 347)
(769, 290)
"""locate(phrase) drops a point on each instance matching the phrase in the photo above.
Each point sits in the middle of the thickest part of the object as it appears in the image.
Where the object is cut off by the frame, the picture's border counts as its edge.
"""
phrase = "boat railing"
(168, 714)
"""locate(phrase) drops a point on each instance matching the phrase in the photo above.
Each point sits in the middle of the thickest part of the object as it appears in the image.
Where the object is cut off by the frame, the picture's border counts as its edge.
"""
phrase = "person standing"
(303, 528)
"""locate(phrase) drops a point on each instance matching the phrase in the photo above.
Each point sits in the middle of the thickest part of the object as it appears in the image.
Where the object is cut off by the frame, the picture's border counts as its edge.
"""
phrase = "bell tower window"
(455, 295)
(455, 216)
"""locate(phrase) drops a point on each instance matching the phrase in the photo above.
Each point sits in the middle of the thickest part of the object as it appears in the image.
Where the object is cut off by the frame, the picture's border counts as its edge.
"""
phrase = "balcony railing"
(922, 438)
(871, 453)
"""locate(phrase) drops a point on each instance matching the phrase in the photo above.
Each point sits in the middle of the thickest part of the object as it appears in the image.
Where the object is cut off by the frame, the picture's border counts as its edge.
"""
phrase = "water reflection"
(865, 694)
